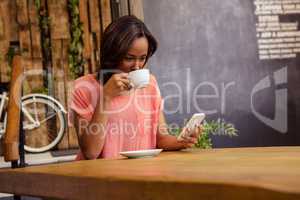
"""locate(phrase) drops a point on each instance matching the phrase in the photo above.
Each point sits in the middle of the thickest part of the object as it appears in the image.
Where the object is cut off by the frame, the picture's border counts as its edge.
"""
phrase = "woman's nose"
(137, 65)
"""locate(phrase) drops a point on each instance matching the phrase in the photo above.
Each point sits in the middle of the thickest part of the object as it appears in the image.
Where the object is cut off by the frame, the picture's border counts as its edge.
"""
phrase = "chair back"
(11, 136)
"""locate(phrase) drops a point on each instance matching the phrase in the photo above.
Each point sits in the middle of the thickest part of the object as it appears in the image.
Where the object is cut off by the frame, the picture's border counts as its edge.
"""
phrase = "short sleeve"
(83, 99)
(158, 98)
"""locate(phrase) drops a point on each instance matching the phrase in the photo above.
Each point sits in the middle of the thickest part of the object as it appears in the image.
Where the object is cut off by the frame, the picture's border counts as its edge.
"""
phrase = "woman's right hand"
(117, 84)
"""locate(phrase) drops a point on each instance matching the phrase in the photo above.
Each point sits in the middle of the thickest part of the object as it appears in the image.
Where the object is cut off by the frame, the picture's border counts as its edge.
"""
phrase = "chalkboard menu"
(234, 60)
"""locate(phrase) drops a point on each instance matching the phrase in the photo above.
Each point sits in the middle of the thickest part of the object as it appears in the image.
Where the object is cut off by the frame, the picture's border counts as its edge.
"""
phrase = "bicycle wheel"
(3, 115)
(43, 123)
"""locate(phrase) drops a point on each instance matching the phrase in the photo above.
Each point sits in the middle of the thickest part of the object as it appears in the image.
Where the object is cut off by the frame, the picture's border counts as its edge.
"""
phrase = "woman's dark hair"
(116, 41)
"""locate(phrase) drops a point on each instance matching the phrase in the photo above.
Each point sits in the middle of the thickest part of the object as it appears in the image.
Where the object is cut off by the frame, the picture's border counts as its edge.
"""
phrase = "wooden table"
(233, 173)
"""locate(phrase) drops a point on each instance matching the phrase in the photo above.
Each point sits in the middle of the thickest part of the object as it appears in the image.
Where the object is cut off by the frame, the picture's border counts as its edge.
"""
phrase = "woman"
(108, 114)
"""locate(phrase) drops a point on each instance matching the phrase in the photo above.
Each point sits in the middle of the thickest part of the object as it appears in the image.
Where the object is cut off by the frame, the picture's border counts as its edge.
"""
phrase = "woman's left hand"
(192, 138)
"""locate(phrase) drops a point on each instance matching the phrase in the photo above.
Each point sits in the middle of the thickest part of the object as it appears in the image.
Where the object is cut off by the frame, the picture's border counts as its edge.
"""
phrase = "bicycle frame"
(3, 97)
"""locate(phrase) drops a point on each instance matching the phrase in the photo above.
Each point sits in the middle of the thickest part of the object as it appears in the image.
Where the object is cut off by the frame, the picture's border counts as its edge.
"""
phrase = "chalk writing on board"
(277, 40)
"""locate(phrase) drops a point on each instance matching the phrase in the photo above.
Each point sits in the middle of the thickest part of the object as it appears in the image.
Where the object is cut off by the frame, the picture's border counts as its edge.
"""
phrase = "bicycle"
(44, 121)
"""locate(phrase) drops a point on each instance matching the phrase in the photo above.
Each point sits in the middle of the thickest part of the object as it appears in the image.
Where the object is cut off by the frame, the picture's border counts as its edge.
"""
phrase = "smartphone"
(195, 120)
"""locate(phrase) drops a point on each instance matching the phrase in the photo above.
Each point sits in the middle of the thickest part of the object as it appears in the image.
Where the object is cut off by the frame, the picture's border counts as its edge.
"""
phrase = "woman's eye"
(132, 59)
(129, 59)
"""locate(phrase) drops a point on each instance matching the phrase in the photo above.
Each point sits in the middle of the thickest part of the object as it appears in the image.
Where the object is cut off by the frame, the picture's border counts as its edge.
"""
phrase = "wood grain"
(94, 58)
(24, 28)
(5, 34)
(13, 20)
(105, 13)
(59, 23)
(94, 16)
(22, 10)
(234, 173)
(11, 136)
(34, 31)
(95, 35)
(36, 42)
(123, 8)
(32, 83)
(136, 8)
(34, 75)
(72, 135)
(84, 19)
(59, 60)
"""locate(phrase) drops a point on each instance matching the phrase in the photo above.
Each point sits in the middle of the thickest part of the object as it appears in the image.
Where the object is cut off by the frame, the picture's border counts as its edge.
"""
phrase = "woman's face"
(136, 55)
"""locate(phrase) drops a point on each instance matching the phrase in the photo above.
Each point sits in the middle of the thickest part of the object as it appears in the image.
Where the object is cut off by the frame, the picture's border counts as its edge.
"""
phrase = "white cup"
(139, 78)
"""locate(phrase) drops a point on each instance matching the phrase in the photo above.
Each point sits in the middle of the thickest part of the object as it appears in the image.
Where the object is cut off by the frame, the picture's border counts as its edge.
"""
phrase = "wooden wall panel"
(73, 141)
(94, 55)
(36, 42)
(30, 43)
(25, 42)
(22, 16)
(84, 19)
(37, 78)
(68, 84)
(96, 32)
(2, 27)
(14, 27)
(4, 22)
(136, 8)
(59, 60)
(24, 31)
(4, 40)
(34, 75)
(94, 16)
(60, 37)
(123, 8)
(106, 13)
(34, 31)
(34, 81)
(4, 71)
(59, 19)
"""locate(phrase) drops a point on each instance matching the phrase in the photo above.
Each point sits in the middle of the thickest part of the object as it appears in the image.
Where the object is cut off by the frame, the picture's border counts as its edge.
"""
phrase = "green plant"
(37, 4)
(214, 127)
(76, 60)
(44, 23)
(41, 90)
(10, 55)
(11, 52)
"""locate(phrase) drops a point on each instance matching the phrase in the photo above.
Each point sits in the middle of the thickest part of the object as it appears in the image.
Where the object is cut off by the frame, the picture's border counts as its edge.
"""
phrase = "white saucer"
(141, 153)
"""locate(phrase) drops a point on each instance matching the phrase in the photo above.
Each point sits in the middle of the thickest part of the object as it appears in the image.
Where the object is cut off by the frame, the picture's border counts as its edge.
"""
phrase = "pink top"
(132, 118)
